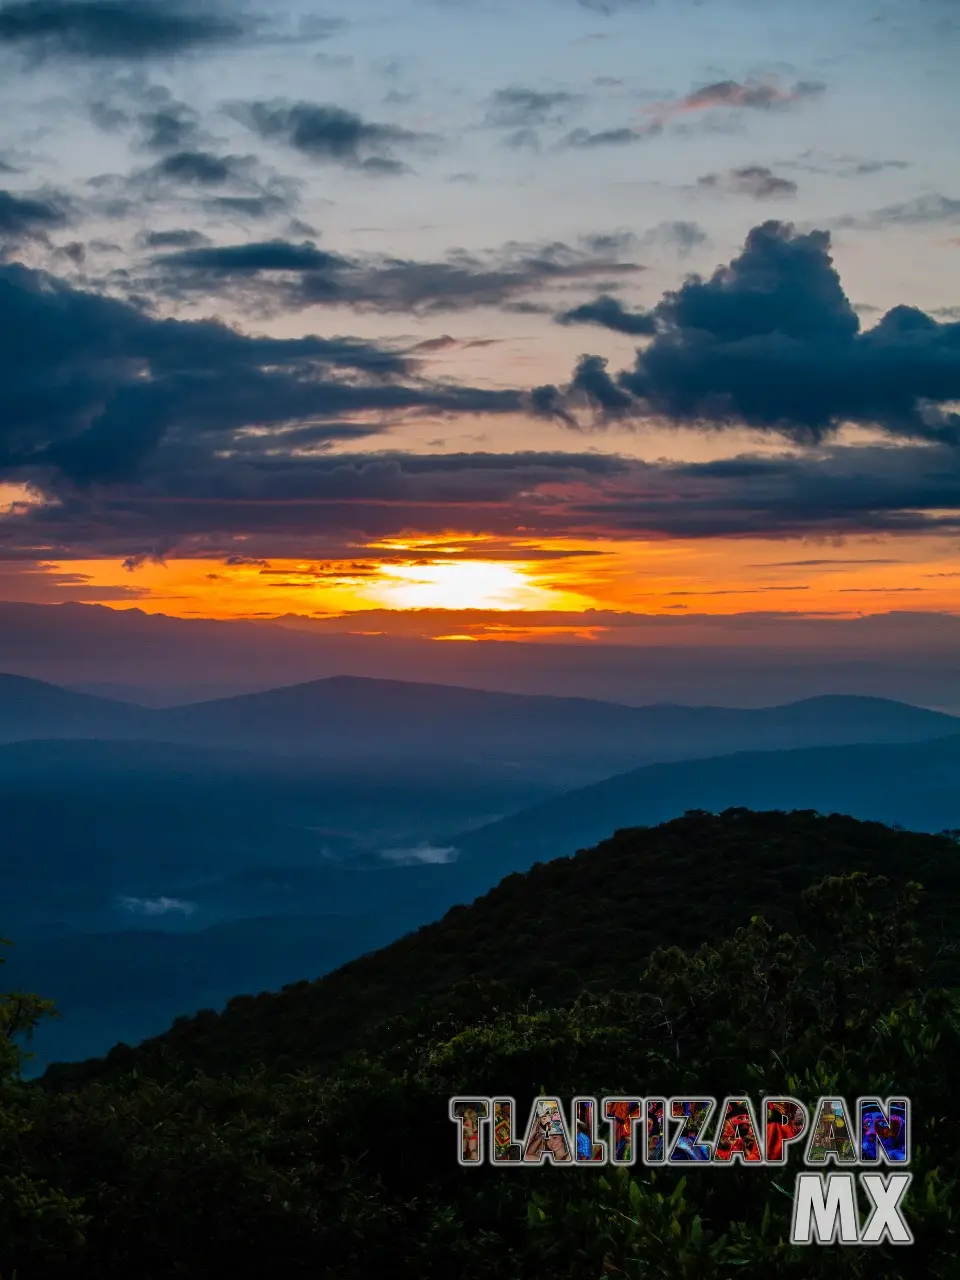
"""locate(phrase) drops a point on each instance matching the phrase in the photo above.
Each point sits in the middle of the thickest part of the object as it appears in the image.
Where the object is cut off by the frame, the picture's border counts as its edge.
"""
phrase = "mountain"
(109, 838)
(916, 786)
(315, 1123)
(557, 741)
(743, 660)
(35, 709)
(561, 739)
(137, 695)
(90, 825)
(576, 923)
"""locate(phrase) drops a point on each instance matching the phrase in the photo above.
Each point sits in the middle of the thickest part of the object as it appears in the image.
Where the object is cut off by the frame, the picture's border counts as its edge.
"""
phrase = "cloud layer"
(91, 387)
(116, 30)
(771, 341)
(296, 275)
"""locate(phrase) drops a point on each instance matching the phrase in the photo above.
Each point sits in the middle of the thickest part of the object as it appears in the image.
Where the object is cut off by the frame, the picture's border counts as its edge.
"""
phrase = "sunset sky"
(559, 312)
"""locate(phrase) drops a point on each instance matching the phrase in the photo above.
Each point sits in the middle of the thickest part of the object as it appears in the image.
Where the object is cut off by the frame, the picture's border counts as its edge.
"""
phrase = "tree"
(39, 1225)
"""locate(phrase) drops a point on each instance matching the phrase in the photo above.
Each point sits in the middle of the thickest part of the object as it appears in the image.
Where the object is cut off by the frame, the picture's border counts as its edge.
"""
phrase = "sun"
(465, 584)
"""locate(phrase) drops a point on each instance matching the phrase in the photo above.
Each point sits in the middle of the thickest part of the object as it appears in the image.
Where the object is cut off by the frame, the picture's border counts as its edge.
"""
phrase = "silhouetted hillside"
(313, 1124)
(581, 923)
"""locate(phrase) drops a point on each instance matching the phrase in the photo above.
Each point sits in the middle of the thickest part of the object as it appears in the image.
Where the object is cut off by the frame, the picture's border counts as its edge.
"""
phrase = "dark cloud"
(114, 29)
(184, 158)
(842, 166)
(176, 238)
(302, 275)
(619, 137)
(270, 502)
(92, 388)
(24, 216)
(519, 108)
(183, 183)
(754, 180)
(924, 210)
(771, 341)
(107, 115)
(170, 128)
(251, 259)
(446, 343)
(443, 343)
(202, 168)
(678, 234)
(383, 166)
(329, 133)
(266, 204)
(619, 242)
(590, 379)
(264, 503)
(875, 166)
(610, 314)
(839, 492)
(157, 122)
(75, 252)
(548, 402)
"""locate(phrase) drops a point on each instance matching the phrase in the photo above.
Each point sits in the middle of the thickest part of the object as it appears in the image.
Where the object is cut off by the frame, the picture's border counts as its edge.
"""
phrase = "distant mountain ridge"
(36, 709)
(753, 660)
(565, 740)
(915, 785)
(309, 800)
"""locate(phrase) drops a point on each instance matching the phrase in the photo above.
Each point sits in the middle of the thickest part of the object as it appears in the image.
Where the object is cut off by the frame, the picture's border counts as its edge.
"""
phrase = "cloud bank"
(771, 341)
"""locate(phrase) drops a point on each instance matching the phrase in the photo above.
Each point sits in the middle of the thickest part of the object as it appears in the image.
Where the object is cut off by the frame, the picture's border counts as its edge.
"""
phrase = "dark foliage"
(215, 1154)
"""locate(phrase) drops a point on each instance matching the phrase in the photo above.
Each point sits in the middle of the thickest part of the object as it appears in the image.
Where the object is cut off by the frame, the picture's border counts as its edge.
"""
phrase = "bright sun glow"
(465, 584)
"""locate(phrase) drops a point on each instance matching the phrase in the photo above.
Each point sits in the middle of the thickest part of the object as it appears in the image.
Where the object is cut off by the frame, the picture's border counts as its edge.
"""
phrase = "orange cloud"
(734, 95)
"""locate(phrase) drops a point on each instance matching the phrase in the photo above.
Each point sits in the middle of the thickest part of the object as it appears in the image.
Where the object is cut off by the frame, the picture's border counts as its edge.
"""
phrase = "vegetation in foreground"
(209, 1155)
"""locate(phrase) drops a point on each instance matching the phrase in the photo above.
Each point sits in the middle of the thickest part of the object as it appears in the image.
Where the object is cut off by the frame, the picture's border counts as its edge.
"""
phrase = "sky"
(565, 314)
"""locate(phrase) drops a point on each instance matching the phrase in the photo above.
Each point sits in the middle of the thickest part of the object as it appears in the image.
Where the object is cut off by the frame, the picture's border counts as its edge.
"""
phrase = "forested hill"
(585, 923)
(344, 1164)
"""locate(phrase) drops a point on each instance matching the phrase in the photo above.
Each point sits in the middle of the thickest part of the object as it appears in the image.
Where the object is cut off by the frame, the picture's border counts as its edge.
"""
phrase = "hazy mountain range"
(157, 860)
(746, 660)
(350, 719)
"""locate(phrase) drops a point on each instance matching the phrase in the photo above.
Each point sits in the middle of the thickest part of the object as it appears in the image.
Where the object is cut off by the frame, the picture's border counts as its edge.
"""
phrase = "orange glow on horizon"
(375, 583)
